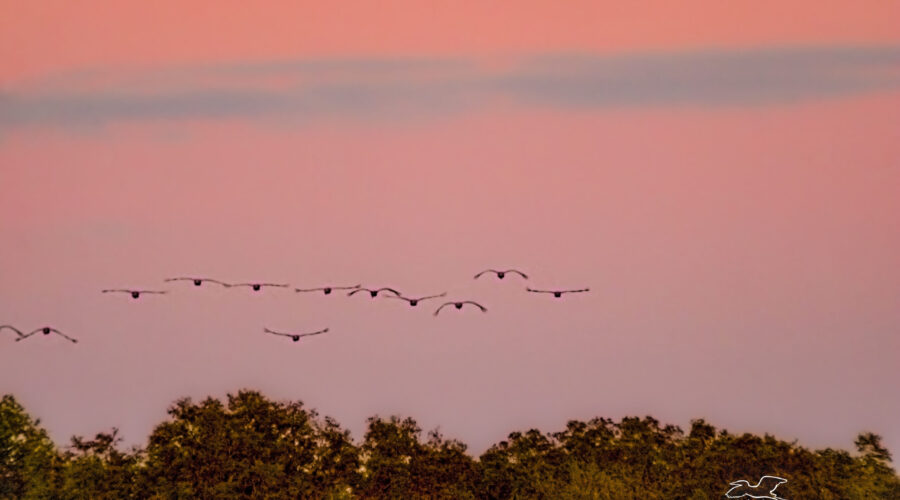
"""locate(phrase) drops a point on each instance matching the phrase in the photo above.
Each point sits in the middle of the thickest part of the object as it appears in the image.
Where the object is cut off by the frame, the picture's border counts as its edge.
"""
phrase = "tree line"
(252, 447)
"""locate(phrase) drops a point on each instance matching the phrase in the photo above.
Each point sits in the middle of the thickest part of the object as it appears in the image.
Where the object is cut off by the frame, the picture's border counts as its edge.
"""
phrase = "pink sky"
(740, 239)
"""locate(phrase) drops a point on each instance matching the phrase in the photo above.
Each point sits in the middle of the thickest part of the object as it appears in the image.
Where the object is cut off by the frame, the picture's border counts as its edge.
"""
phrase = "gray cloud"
(377, 88)
(707, 78)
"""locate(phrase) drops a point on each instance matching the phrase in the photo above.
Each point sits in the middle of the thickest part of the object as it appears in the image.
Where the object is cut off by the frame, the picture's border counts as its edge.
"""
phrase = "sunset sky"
(724, 176)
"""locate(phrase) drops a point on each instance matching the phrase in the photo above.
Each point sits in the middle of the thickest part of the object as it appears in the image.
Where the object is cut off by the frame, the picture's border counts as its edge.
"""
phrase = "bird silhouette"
(10, 327)
(502, 274)
(257, 286)
(135, 293)
(46, 330)
(200, 281)
(765, 488)
(459, 305)
(327, 289)
(559, 293)
(374, 293)
(295, 336)
(414, 302)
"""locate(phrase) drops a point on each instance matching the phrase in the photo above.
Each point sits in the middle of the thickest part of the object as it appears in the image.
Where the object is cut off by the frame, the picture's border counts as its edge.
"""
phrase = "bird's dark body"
(558, 293)
(134, 293)
(295, 337)
(373, 293)
(502, 274)
(199, 281)
(46, 330)
(256, 288)
(459, 305)
(327, 290)
(414, 302)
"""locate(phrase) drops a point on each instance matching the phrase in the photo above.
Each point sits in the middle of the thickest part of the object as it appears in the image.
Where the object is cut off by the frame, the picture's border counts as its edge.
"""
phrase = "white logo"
(765, 488)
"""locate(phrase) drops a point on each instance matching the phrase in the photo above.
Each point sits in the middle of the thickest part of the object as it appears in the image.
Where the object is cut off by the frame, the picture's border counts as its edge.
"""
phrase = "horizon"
(127, 445)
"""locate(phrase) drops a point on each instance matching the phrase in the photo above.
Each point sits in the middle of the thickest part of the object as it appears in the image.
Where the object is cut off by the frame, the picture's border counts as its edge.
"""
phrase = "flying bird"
(502, 274)
(559, 293)
(257, 286)
(135, 293)
(765, 488)
(47, 331)
(327, 289)
(295, 336)
(374, 293)
(414, 302)
(18, 332)
(200, 281)
(459, 305)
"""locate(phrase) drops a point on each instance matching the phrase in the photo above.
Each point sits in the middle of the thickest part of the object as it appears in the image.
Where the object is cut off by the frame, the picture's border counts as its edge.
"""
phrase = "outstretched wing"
(202, 280)
(358, 290)
(532, 290)
(432, 296)
(159, 292)
(61, 334)
(445, 304)
(117, 290)
(274, 284)
(319, 289)
(576, 291)
(273, 332)
(398, 297)
(386, 289)
(485, 271)
(18, 332)
(476, 304)
(29, 334)
(516, 271)
(313, 333)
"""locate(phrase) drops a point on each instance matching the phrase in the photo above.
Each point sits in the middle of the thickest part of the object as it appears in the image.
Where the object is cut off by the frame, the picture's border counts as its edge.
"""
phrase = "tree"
(398, 465)
(869, 445)
(29, 463)
(96, 469)
(253, 448)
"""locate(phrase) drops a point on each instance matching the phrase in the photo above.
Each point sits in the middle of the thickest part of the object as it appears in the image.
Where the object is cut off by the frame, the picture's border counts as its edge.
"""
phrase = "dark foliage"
(251, 447)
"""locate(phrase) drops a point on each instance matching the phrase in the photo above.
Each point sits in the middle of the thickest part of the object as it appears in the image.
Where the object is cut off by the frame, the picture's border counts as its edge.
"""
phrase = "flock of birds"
(327, 290)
